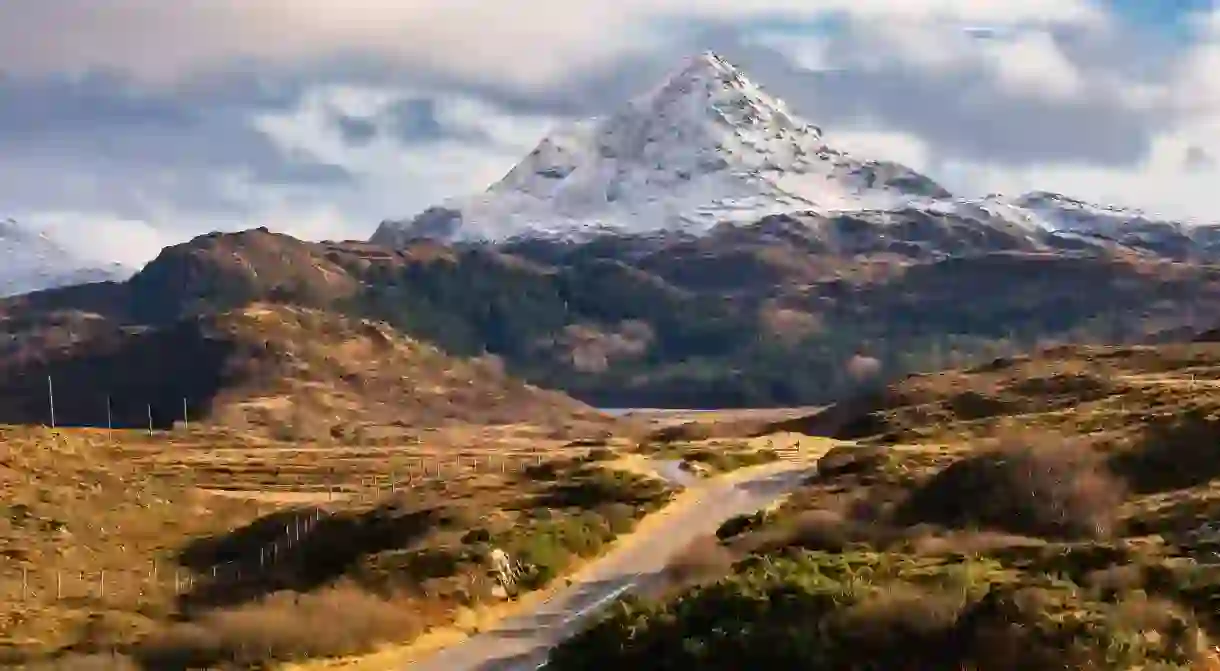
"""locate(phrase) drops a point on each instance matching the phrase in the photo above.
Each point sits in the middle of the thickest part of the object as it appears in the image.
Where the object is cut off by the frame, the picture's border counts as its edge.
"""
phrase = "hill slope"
(744, 316)
(1049, 511)
(79, 512)
(276, 368)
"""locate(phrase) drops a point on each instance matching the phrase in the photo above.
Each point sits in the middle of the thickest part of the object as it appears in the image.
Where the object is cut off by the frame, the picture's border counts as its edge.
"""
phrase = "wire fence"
(299, 523)
(20, 582)
(24, 583)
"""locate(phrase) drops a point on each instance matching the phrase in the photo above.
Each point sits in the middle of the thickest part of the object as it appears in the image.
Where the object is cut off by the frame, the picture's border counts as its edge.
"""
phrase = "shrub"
(548, 548)
(852, 459)
(476, 535)
(601, 454)
(688, 431)
(1046, 491)
(824, 530)
(703, 560)
(735, 526)
(339, 621)
(865, 612)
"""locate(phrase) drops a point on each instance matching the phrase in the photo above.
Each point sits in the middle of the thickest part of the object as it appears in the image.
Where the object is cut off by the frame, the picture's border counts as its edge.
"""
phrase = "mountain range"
(709, 147)
(701, 246)
(30, 261)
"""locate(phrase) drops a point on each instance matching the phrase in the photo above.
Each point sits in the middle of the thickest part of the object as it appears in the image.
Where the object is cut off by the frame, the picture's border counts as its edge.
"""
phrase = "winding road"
(522, 643)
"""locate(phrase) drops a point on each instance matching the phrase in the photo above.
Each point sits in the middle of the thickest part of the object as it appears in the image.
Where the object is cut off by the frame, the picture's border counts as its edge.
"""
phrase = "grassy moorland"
(337, 487)
(109, 541)
(1033, 513)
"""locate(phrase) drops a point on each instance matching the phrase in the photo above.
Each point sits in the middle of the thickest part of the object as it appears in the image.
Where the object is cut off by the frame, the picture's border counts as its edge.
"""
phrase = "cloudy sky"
(129, 124)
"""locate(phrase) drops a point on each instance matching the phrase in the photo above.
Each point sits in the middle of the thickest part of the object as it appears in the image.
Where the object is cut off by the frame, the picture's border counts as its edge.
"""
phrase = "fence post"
(51, 398)
(101, 584)
(25, 582)
(59, 585)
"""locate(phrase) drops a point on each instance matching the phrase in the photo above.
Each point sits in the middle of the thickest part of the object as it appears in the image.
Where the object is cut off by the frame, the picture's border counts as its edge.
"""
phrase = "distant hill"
(745, 316)
(295, 372)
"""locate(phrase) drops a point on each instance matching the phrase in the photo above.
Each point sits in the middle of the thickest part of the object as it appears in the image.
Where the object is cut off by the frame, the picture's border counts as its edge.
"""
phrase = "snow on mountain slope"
(1125, 226)
(707, 146)
(31, 261)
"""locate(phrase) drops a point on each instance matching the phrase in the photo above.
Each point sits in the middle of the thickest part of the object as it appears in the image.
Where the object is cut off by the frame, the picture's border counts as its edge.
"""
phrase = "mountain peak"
(705, 146)
(30, 260)
(708, 68)
(709, 89)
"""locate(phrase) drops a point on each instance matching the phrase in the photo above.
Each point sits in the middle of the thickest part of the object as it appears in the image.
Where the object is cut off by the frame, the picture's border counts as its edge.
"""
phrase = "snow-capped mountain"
(709, 147)
(1069, 217)
(31, 261)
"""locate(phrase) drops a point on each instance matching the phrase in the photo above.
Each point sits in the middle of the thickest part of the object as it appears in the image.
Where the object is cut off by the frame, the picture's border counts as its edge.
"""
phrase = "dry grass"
(83, 501)
(334, 622)
(1048, 491)
(82, 532)
(285, 373)
(1068, 389)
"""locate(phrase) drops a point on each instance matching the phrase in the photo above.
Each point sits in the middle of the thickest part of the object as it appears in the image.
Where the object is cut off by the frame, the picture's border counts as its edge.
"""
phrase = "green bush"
(548, 548)
(869, 611)
(725, 461)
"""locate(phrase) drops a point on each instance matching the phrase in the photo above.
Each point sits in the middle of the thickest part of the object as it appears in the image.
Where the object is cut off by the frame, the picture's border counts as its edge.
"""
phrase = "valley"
(797, 408)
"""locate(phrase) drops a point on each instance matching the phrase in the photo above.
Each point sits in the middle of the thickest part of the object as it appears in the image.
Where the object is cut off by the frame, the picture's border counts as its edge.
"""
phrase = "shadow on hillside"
(850, 419)
(1175, 452)
(126, 379)
(301, 561)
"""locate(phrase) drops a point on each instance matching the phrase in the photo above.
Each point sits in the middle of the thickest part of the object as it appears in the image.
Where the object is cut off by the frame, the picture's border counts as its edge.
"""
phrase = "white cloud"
(528, 43)
(534, 44)
(1025, 62)
(1031, 64)
(100, 238)
(883, 145)
(482, 144)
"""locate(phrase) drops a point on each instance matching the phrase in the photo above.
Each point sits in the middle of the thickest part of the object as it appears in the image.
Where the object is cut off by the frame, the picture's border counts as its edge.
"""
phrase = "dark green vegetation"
(967, 540)
(745, 317)
(713, 456)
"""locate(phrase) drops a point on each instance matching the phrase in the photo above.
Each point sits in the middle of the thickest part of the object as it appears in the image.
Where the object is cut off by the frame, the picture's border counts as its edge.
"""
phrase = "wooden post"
(186, 424)
(51, 397)
(109, 420)
(150, 430)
